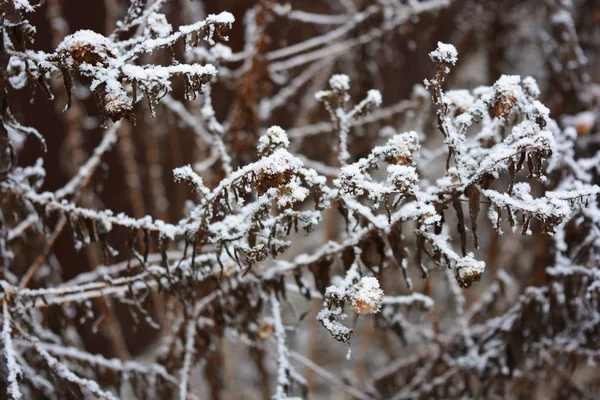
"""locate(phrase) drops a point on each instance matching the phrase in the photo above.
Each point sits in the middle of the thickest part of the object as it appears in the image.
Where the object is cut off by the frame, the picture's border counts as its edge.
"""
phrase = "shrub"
(318, 209)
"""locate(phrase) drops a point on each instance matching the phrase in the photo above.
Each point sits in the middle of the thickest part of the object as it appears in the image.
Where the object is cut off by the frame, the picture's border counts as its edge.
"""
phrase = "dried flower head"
(469, 271)
(117, 105)
(367, 296)
(506, 90)
(275, 138)
(87, 47)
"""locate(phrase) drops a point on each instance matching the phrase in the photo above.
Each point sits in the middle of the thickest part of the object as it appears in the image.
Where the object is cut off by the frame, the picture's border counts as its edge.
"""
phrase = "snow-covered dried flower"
(276, 170)
(506, 92)
(400, 149)
(275, 138)
(367, 296)
(444, 54)
(468, 270)
(86, 46)
(402, 177)
(339, 83)
(117, 105)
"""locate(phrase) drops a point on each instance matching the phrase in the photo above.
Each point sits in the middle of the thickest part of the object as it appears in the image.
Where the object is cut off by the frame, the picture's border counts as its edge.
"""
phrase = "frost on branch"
(109, 63)
(399, 153)
(14, 369)
(335, 101)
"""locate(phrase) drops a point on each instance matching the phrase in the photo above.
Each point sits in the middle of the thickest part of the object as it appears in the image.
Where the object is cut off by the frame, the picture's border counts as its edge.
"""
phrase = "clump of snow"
(279, 162)
(221, 52)
(224, 17)
(508, 86)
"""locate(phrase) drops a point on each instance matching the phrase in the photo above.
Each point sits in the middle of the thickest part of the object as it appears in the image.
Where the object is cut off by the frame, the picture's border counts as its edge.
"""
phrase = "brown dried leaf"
(472, 192)
(461, 223)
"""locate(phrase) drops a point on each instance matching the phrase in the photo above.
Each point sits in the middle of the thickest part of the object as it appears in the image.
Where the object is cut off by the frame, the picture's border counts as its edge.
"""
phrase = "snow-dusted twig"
(283, 364)
(14, 369)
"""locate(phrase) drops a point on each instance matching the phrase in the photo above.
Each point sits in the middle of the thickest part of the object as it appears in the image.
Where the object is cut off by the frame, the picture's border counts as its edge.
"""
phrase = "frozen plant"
(297, 208)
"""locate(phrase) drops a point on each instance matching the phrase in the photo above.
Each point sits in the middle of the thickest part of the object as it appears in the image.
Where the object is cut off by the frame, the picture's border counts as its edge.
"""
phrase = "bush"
(311, 207)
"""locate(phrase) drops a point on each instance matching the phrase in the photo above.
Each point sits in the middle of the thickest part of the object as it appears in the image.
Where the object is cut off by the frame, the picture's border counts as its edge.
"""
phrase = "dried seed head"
(444, 53)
